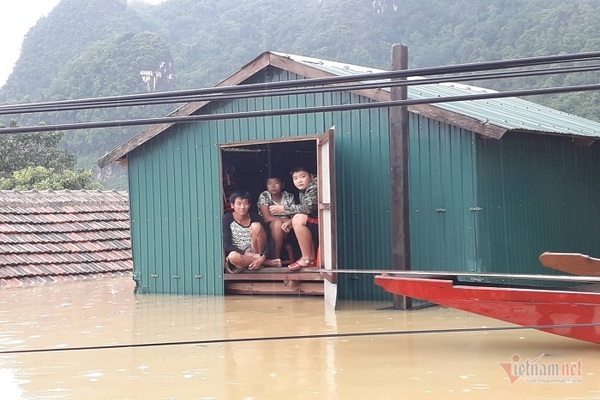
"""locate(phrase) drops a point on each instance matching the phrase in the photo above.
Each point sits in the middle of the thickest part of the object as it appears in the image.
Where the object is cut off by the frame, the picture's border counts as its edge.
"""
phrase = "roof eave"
(578, 139)
(120, 152)
(285, 63)
(483, 128)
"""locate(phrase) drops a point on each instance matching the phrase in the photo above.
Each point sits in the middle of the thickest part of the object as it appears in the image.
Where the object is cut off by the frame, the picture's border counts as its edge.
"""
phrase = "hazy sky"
(17, 17)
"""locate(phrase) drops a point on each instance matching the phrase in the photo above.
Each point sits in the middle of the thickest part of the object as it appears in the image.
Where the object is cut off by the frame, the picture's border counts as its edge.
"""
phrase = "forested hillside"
(91, 48)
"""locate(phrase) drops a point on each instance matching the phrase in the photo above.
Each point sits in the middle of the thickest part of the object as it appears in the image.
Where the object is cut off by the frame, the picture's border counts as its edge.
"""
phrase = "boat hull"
(567, 313)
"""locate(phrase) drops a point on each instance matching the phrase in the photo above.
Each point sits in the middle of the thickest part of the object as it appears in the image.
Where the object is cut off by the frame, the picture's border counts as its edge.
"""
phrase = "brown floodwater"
(98, 340)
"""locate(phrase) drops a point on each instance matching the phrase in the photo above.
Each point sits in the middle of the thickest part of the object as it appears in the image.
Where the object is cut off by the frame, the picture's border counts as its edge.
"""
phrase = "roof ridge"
(25, 272)
(24, 209)
(30, 191)
(117, 244)
(44, 263)
(17, 282)
(43, 240)
(75, 227)
(103, 218)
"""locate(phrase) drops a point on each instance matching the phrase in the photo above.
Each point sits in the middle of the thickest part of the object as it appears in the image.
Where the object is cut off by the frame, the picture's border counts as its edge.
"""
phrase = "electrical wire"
(397, 74)
(291, 337)
(245, 94)
(294, 111)
(250, 91)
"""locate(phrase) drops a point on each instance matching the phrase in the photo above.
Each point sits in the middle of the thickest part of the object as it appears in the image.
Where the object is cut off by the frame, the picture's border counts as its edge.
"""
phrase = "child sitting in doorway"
(275, 195)
(304, 217)
(246, 242)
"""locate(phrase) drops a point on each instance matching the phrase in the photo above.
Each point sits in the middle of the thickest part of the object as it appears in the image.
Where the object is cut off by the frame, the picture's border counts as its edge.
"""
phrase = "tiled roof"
(50, 236)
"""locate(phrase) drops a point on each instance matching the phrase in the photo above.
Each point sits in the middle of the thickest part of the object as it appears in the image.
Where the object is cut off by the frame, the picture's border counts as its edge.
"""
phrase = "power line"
(295, 111)
(293, 337)
(77, 105)
(426, 71)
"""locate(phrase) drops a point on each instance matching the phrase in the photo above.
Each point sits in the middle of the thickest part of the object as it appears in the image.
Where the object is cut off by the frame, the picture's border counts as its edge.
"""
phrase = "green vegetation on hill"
(92, 48)
(60, 38)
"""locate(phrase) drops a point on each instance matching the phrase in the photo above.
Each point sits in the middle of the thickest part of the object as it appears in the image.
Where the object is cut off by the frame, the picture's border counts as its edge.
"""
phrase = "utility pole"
(400, 212)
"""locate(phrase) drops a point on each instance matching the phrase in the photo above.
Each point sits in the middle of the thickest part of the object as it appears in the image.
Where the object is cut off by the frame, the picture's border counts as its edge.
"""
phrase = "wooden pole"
(399, 212)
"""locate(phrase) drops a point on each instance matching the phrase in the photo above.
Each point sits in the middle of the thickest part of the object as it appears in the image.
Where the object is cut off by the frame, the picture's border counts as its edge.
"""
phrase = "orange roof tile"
(54, 236)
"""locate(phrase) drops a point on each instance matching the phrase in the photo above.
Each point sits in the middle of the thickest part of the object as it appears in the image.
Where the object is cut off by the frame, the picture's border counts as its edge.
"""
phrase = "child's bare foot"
(255, 265)
(273, 263)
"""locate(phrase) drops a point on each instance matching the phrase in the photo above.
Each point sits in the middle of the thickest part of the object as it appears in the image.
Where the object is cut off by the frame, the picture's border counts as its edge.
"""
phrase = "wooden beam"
(583, 141)
(399, 156)
(306, 138)
(275, 288)
(279, 277)
(439, 114)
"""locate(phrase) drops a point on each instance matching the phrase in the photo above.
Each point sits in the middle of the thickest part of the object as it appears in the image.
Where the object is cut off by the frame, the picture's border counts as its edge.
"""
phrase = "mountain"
(62, 36)
(91, 48)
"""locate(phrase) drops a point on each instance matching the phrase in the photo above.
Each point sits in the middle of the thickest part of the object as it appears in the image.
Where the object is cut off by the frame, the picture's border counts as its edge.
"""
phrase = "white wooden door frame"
(327, 220)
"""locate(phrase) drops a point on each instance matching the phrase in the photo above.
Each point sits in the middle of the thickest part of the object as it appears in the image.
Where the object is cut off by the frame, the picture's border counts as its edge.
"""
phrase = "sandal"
(301, 263)
(232, 269)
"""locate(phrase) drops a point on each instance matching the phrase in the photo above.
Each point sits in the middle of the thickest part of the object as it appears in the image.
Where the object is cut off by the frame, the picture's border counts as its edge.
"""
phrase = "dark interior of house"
(248, 167)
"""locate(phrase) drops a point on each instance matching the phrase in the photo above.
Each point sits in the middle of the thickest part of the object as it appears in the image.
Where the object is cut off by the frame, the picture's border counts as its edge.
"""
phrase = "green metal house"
(492, 183)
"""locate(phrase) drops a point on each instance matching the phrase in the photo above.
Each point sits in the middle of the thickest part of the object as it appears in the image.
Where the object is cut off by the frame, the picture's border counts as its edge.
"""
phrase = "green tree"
(92, 48)
(34, 161)
(20, 151)
(41, 178)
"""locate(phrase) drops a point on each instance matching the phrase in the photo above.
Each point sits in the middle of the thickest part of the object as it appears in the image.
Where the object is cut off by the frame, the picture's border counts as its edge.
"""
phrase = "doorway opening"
(247, 166)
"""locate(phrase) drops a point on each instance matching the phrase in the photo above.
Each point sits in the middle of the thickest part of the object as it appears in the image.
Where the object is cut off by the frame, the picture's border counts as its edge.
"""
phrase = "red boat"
(573, 313)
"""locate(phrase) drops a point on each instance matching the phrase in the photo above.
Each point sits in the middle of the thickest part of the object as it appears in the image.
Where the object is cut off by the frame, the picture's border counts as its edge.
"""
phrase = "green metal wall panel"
(173, 234)
(442, 193)
(363, 201)
(537, 193)
(176, 202)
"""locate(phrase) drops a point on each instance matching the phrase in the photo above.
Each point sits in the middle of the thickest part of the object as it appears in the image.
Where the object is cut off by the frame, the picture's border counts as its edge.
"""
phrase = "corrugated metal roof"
(490, 118)
(511, 113)
(51, 236)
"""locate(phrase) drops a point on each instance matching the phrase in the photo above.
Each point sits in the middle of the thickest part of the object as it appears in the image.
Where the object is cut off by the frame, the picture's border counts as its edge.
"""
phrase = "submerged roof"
(51, 236)
(490, 118)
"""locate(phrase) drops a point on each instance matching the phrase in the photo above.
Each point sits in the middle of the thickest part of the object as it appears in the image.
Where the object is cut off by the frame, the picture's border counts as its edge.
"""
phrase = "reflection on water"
(217, 363)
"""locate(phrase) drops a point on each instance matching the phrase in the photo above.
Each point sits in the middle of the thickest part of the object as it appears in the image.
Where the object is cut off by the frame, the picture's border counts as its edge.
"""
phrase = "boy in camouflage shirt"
(275, 195)
(305, 216)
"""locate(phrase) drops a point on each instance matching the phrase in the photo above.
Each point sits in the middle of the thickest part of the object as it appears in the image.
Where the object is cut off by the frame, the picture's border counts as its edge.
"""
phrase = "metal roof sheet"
(511, 113)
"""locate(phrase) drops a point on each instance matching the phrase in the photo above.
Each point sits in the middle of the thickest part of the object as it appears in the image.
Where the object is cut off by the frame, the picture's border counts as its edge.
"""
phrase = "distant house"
(492, 183)
(54, 236)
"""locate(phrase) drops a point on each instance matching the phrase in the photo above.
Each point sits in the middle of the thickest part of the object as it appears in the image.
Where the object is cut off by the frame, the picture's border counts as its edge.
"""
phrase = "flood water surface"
(98, 340)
